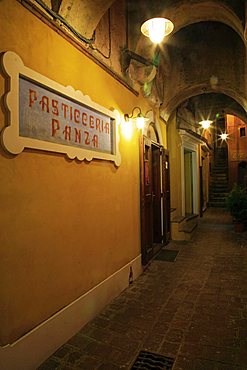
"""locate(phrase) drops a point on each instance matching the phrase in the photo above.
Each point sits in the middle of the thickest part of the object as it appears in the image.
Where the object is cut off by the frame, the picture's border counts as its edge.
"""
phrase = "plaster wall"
(65, 225)
(174, 146)
(196, 59)
(237, 146)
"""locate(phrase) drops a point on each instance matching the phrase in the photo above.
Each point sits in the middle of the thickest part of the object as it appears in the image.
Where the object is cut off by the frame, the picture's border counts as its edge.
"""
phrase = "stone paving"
(193, 310)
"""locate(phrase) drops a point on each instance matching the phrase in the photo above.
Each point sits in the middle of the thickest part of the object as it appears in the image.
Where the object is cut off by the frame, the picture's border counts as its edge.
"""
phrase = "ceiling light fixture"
(157, 28)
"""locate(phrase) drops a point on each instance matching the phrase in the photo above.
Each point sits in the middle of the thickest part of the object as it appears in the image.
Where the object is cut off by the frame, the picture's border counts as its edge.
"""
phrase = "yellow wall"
(65, 225)
(174, 146)
(188, 182)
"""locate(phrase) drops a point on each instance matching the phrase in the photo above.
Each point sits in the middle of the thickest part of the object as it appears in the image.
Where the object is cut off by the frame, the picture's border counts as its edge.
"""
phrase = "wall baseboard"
(28, 352)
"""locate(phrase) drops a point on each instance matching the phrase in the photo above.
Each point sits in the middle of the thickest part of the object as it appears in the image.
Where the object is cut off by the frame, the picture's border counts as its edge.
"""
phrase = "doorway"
(188, 182)
(155, 198)
(242, 174)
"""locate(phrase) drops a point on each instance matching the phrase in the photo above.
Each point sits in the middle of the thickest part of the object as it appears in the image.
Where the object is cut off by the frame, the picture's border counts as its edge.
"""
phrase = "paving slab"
(193, 309)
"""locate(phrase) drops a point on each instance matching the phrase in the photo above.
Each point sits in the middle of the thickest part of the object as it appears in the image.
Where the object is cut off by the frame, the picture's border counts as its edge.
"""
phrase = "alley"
(193, 310)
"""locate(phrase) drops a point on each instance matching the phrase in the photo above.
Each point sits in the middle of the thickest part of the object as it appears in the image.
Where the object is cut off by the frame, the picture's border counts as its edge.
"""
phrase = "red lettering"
(77, 135)
(32, 97)
(98, 124)
(54, 104)
(44, 102)
(65, 110)
(84, 119)
(71, 113)
(91, 121)
(76, 116)
(107, 129)
(55, 126)
(87, 142)
(67, 132)
(95, 141)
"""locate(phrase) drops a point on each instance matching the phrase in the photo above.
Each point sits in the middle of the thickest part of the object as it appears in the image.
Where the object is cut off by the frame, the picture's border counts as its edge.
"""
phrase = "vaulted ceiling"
(202, 62)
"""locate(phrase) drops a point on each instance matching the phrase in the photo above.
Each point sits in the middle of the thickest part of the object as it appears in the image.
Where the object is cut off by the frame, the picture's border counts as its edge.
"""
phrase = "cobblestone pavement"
(193, 310)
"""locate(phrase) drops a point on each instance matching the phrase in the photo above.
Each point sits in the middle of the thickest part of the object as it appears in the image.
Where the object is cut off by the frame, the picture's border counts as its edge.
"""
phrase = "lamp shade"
(157, 28)
(138, 119)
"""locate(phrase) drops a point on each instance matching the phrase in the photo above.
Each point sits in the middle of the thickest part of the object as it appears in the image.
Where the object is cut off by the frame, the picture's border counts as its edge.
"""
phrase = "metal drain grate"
(147, 360)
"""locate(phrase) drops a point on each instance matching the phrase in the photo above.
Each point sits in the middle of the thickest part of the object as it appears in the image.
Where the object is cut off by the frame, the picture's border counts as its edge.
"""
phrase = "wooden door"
(146, 199)
(155, 198)
(166, 195)
(156, 175)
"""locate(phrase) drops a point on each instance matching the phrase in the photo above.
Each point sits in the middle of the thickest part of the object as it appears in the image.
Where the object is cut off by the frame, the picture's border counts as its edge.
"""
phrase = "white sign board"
(48, 116)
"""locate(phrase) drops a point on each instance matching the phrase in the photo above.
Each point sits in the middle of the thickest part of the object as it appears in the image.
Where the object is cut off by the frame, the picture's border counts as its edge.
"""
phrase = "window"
(242, 131)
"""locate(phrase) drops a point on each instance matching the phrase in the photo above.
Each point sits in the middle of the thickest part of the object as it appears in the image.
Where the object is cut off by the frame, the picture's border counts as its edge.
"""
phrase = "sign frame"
(11, 140)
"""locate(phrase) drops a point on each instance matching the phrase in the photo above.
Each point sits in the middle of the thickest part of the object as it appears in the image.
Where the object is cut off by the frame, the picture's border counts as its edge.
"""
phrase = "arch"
(186, 14)
(191, 91)
(154, 123)
(84, 15)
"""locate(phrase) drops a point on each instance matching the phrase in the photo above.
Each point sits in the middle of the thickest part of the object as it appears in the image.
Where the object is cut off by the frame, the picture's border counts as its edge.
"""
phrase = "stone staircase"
(219, 179)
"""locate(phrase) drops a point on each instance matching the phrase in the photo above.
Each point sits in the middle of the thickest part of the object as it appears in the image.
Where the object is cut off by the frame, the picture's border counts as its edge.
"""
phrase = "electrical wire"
(65, 23)
(77, 34)
(109, 36)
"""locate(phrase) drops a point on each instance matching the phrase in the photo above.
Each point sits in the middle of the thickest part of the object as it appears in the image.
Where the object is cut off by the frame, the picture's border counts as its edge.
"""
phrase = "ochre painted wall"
(65, 225)
(174, 146)
(237, 147)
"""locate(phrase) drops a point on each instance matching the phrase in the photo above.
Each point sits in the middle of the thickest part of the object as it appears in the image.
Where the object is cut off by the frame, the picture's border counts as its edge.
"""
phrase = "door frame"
(190, 143)
(149, 247)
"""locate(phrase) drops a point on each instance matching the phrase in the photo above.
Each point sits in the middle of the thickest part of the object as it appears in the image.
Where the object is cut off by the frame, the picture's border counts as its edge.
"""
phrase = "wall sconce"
(138, 119)
(157, 28)
(205, 123)
(224, 136)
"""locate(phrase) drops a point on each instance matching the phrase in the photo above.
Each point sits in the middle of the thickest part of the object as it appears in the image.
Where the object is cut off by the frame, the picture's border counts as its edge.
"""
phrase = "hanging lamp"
(157, 28)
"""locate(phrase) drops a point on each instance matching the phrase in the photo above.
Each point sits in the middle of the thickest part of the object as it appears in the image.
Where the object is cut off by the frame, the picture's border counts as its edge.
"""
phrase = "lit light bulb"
(127, 129)
(205, 123)
(224, 136)
(140, 122)
(157, 28)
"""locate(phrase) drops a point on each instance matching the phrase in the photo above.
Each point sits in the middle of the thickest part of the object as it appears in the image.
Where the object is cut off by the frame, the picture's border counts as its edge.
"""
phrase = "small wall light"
(224, 136)
(138, 119)
(157, 28)
(205, 123)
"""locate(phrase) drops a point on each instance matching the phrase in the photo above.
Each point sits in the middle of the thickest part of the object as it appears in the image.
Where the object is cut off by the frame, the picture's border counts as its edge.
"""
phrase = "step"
(178, 219)
(217, 174)
(221, 175)
(221, 167)
(182, 227)
(218, 191)
(219, 184)
(217, 188)
(217, 197)
(217, 205)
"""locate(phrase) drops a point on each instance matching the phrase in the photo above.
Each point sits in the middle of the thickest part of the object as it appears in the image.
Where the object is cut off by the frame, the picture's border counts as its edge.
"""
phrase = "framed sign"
(48, 116)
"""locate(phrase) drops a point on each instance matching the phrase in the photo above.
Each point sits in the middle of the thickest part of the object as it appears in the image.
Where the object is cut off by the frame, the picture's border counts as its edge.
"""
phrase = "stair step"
(189, 228)
(218, 195)
(219, 174)
(217, 205)
(178, 219)
(190, 217)
(218, 190)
